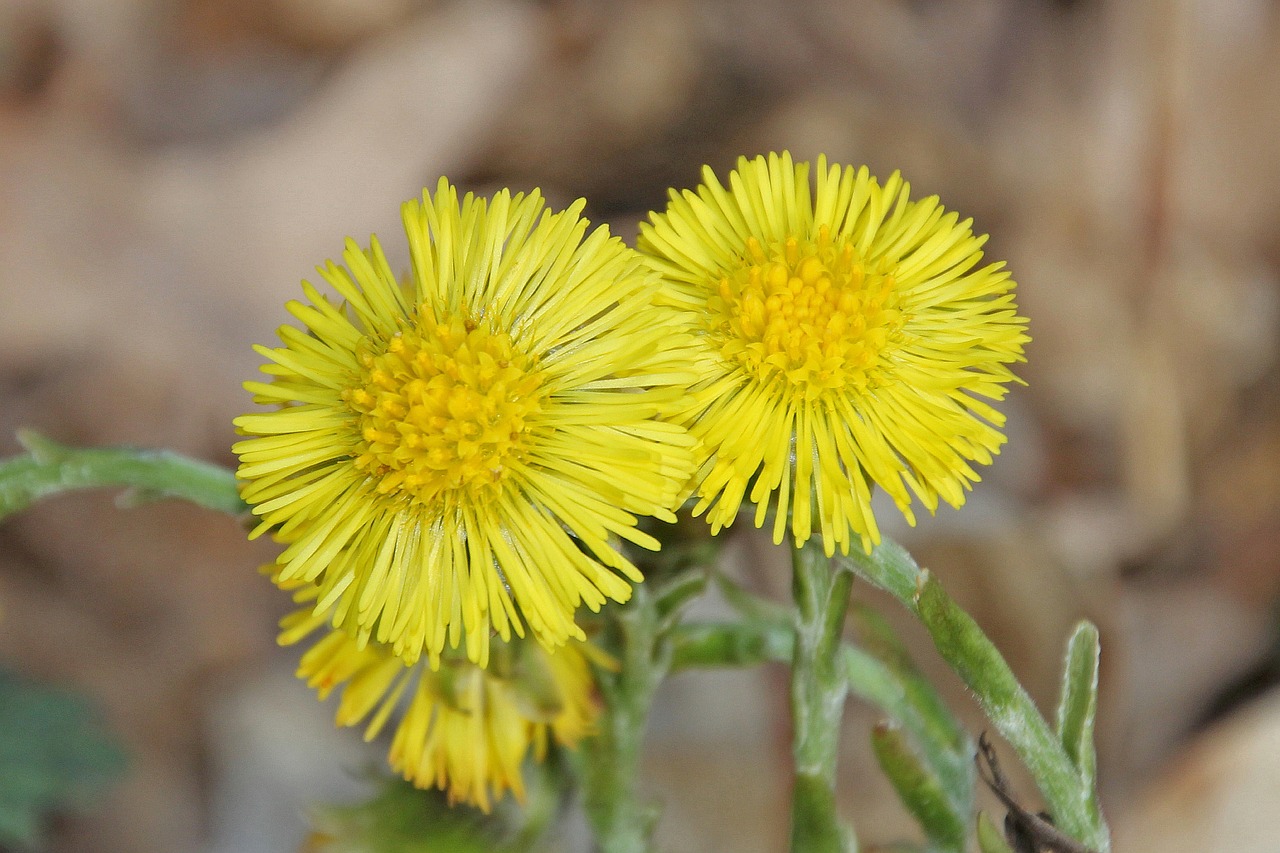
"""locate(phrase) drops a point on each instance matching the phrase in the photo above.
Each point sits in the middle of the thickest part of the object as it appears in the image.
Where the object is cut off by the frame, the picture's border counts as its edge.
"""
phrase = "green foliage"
(1067, 783)
(923, 750)
(920, 789)
(55, 757)
(934, 730)
(49, 468)
(402, 819)
(722, 644)
(1078, 705)
(977, 661)
(990, 839)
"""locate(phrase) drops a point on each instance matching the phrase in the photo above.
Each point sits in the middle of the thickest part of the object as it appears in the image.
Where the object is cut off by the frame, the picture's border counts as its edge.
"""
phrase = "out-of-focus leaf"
(403, 819)
(919, 788)
(1078, 704)
(752, 607)
(990, 838)
(674, 592)
(728, 644)
(981, 666)
(55, 756)
(942, 741)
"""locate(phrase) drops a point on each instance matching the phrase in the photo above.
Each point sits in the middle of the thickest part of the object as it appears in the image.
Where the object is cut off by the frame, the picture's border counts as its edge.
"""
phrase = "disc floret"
(808, 313)
(443, 407)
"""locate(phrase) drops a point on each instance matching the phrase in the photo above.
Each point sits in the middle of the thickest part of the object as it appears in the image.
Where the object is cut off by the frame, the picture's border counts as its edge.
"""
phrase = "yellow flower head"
(458, 454)
(461, 729)
(848, 334)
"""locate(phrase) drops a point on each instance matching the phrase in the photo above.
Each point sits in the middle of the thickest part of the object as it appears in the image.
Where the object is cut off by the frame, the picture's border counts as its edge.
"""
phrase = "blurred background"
(170, 170)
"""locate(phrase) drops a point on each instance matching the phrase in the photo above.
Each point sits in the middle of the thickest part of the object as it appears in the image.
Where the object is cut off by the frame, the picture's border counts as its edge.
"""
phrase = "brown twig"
(1026, 832)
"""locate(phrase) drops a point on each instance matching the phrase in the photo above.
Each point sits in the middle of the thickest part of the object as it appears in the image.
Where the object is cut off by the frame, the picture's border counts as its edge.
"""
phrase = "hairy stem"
(49, 468)
(818, 688)
(610, 761)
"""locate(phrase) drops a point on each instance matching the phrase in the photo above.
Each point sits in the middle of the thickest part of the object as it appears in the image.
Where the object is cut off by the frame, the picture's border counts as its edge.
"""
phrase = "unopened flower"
(460, 728)
(459, 454)
(850, 339)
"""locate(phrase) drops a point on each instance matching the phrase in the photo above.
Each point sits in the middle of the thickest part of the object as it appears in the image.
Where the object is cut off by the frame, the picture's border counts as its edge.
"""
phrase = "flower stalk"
(609, 762)
(49, 468)
(819, 686)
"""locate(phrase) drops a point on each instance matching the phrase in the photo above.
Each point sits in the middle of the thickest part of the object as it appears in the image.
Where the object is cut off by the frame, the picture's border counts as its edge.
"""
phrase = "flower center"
(810, 313)
(443, 407)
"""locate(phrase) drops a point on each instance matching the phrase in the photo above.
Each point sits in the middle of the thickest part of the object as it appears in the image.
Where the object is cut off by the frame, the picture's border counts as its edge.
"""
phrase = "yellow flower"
(848, 334)
(460, 454)
(461, 729)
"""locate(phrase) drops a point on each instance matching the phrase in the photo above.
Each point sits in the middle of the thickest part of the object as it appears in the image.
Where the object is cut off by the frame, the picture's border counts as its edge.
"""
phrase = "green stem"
(1070, 796)
(50, 468)
(818, 689)
(609, 762)
(729, 644)
(1071, 799)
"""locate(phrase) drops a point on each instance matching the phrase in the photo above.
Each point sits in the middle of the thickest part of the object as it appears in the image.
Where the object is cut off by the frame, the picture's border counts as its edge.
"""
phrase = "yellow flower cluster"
(461, 728)
(456, 456)
(847, 339)
(453, 460)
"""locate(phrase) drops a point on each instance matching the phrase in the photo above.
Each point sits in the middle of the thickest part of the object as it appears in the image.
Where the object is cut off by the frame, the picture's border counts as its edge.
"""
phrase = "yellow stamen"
(444, 407)
(812, 314)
